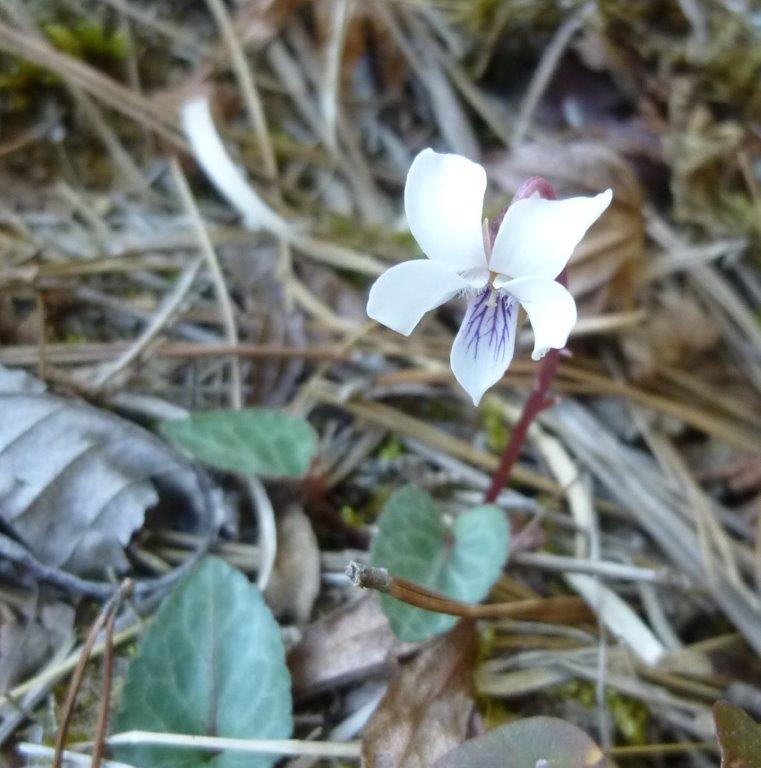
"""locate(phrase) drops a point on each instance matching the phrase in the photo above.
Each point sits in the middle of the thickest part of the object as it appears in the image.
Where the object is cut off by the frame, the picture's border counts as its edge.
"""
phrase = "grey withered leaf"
(75, 481)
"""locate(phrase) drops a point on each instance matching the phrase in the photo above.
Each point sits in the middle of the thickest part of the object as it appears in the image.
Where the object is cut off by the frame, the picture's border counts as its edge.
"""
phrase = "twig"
(40, 750)
(331, 80)
(223, 297)
(16, 553)
(117, 96)
(607, 569)
(651, 750)
(543, 74)
(349, 749)
(169, 306)
(265, 518)
(247, 85)
(56, 672)
(67, 710)
(105, 692)
(561, 609)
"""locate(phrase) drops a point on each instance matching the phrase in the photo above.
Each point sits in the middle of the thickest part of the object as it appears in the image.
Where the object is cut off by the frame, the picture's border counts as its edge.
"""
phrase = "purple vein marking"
(489, 319)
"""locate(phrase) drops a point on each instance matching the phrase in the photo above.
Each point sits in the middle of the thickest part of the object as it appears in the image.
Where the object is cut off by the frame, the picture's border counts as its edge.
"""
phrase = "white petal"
(211, 155)
(477, 277)
(443, 199)
(550, 308)
(485, 342)
(537, 236)
(404, 293)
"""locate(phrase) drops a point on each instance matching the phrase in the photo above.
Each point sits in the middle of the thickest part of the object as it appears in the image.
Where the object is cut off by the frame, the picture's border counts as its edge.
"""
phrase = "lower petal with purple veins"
(485, 342)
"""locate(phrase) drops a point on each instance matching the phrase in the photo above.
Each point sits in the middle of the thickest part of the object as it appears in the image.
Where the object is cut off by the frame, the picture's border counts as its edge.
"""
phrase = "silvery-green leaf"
(462, 561)
(536, 742)
(252, 442)
(211, 664)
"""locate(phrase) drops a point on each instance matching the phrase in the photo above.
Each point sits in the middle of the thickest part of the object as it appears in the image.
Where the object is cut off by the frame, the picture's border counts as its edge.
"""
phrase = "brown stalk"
(99, 744)
(555, 609)
(105, 615)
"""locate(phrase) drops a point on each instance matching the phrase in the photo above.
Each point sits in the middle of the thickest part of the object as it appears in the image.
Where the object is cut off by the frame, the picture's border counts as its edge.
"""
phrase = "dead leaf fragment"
(427, 707)
(604, 260)
(295, 580)
(675, 333)
(75, 481)
(30, 638)
(349, 644)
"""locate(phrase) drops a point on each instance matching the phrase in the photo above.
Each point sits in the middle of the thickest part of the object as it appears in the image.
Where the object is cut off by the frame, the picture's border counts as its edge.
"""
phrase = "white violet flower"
(443, 200)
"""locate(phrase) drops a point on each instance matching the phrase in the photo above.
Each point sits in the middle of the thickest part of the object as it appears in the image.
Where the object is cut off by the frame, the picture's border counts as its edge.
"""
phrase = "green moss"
(538, 16)
(88, 40)
(21, 81)
(630, 717)
(391, 449)
(351, 516)
(493, 422)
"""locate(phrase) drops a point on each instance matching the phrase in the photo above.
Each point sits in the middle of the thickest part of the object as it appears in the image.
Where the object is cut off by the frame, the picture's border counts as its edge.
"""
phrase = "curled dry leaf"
(259, 21)
(75, 481)
(28, 641)
(427, 707)
(675, 333)
(604, 261)
(295, 580)
(741, 474)
(349, 644)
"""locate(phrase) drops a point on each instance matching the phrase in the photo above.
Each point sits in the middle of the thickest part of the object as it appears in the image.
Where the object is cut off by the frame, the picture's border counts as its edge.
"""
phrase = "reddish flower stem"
(537, 402)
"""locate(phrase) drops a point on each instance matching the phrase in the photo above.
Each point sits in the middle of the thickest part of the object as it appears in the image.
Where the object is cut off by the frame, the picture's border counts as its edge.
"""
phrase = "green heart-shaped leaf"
(252, 442)
(462, 561)
(211, 664)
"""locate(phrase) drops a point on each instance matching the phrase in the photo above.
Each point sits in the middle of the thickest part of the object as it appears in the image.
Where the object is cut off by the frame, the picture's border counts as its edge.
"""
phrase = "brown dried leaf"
(295, 580)
(676, 332)
(27, 641)
(348, 644)
(20, 319)
(616, 242)
(744, 475)
(426, 710)
(257, 22)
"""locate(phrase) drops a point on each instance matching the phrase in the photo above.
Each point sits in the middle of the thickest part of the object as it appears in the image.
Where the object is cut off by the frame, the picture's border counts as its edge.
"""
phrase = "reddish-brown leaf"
(426, 709)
